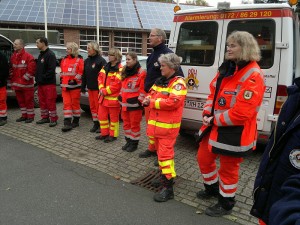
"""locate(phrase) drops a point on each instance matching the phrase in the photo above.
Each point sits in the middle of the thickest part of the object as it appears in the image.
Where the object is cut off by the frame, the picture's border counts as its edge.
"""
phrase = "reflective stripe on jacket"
(23, 69)
(71, 70)
(234, 129)
(132, 91)
(166, 106)
(109, 83)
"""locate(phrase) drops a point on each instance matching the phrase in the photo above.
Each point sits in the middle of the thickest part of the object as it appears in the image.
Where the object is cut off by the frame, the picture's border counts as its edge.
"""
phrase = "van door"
(198, 43)
(6, 47)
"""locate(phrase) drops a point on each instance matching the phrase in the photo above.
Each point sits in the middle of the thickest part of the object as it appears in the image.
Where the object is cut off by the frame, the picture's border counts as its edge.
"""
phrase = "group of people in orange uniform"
(229, 116)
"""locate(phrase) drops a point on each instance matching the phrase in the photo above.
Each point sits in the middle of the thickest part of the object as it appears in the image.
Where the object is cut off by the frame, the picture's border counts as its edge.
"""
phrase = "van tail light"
(281, 96)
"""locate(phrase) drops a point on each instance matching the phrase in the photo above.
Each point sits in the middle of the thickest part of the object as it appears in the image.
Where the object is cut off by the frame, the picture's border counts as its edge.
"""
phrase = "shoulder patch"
(295, 158)
(178, 87)
(248, 95)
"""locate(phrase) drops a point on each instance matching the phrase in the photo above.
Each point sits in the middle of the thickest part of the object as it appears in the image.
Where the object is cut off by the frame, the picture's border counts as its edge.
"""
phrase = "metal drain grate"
(145, 181)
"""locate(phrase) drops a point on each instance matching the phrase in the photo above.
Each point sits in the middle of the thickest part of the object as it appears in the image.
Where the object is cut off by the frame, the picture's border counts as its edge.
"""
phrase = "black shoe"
(125, 146)
(29, 120)
(110, 139)
(95, 127)
(147, 154)
(156, 183)
(100, 137)
(217, 210)
(206, 195)
(164, 195)
(97, 131)
(66, 128)
(21, 119)
(52, 123)
(75, 125)
(3, 122)
(42, 121)
(133, 145)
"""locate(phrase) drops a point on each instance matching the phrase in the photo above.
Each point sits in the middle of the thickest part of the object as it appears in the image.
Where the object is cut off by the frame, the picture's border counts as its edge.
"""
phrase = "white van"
(199, 37)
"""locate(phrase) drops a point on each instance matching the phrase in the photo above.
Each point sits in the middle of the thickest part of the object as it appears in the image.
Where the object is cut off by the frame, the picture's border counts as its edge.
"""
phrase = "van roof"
(236, 7)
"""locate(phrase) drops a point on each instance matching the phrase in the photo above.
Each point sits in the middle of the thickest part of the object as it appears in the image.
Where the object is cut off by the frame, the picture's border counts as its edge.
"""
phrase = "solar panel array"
(112, 13)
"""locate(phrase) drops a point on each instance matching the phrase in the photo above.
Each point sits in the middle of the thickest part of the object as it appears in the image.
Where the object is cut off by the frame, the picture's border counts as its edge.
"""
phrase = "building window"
(87, 36)
(127, 41)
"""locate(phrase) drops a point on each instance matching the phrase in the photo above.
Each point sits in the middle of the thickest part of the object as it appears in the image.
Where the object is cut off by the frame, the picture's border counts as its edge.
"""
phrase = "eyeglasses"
(231, 46)
(153, 35)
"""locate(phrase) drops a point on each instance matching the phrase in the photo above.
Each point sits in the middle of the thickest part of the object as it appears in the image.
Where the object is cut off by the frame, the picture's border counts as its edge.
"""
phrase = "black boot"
(3, 120)
(133, 145)
(209, 191)
(95, 127)
(75, 122)
(67, 125)
(127, 143)
(167, 192)
(223, 207)
(156, 183)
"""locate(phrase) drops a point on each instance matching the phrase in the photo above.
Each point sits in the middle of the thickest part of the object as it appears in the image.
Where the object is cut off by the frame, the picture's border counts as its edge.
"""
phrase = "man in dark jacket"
(92, 66)
(281, 158)
(4, 73)
(157, 39)
(286, 210)
(46, 81)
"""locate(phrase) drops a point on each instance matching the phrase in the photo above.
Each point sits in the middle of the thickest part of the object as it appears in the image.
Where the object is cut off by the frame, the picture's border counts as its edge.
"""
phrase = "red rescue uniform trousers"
(165, 154)
(71, 100)
(47, 99)
(94, 104)
(132, 123)
(109, 127)
(151, 142)
(25, 101)
(228, 172)
(3, 106)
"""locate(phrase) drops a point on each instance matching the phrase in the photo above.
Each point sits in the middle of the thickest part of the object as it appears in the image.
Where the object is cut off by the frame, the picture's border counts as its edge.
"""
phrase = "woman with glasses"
(71, 73)
(109, 83)
(229, 121)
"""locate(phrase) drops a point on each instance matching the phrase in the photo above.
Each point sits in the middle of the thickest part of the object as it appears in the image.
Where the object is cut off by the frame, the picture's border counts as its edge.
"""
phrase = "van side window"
(197, 43)
(264, 32)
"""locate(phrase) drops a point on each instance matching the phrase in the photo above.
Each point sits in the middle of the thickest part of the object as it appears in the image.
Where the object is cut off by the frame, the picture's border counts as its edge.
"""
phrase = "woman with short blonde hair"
(74, 49)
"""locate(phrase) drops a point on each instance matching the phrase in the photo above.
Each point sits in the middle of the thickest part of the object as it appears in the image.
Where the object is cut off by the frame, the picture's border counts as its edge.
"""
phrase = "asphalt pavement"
(40, 188)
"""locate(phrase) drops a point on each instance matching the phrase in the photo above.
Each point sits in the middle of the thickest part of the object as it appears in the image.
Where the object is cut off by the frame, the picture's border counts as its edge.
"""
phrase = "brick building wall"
(72, 35)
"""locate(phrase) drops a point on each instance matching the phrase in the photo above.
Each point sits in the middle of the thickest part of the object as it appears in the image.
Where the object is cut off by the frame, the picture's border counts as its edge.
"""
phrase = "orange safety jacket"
(234, 129)
(166, 105)
(71, 72)
(22, 70)
(132, 92)
(109, 83)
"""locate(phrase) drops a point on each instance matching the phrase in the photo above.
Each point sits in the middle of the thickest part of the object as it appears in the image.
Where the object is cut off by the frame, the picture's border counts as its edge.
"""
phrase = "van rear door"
(197, 39)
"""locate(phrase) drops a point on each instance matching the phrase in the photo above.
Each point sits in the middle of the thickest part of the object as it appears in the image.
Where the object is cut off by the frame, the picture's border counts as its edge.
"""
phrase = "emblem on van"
(191, 81)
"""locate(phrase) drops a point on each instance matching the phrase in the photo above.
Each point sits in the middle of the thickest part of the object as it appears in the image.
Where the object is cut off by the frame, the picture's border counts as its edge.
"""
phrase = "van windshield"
(197, 43)
(264, 32)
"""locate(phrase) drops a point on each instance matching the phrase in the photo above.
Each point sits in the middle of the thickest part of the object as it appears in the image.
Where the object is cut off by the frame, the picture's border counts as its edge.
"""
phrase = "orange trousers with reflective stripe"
(151, 141)
(165, 154)
(109, 126)
(71, 100)
(94, 103)
(132, 123)
(3, 106)
(228, 172)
